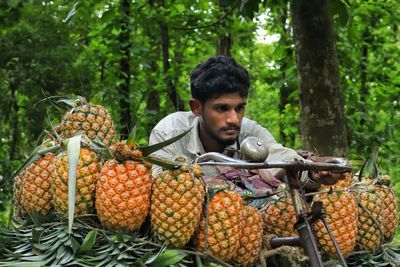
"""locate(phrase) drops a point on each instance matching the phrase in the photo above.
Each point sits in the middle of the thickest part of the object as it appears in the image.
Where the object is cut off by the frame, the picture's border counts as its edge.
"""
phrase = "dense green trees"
(138, 55)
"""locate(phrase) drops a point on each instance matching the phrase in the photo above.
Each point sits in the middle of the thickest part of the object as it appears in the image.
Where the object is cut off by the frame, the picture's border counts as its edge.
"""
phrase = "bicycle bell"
(254, 149)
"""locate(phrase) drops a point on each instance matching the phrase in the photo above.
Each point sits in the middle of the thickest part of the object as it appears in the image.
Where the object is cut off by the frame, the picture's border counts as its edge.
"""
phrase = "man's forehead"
(228, 98)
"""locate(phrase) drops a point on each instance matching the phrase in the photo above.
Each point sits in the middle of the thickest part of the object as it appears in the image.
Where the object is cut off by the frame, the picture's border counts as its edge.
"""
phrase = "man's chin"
(228, 141)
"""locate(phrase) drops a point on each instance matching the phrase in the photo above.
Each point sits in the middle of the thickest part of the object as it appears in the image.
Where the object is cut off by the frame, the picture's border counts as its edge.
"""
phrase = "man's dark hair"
(218, 75)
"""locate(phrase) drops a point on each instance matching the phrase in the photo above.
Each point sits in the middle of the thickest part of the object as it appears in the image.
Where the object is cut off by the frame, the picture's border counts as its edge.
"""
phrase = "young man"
(219, 89)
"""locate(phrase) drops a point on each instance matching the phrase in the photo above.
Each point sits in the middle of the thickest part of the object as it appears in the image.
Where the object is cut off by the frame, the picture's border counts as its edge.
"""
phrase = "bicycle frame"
(306, 238)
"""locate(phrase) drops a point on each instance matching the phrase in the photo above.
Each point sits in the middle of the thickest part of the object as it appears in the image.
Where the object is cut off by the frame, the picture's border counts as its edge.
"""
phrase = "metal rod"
(297, 165)
(339, 252)
(303, 227)
(276, 242)
(308, 242)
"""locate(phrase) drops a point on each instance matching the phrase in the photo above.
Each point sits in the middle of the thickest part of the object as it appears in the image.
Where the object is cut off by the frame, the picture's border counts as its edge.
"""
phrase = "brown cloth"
(259, 181)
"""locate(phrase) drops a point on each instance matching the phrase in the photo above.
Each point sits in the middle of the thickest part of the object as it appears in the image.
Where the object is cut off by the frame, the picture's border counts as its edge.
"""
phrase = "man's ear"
(195, 106)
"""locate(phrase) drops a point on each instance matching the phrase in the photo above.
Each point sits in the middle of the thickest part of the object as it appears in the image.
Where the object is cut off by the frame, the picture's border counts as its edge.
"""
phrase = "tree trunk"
(323, 127)
(14, 125)
(125, 74)
(171, 88)
(153, 97)
(224, 41)
(224, 45)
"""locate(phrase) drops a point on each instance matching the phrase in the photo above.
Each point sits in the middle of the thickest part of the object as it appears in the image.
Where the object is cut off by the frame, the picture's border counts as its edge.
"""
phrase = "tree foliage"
(92, 48)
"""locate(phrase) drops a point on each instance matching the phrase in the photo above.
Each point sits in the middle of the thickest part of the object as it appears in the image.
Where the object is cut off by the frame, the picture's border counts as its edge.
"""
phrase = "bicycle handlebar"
(214, 158)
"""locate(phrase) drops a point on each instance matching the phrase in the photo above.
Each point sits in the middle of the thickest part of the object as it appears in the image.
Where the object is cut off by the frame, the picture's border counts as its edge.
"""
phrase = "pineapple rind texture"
(92, 120)
(250, 238)
(123, 194)
(390, 206)
(225, 211)
(370, 220)
(176, 205)
(279, 216)
(88, 169)
(341, 216)
(32, 187)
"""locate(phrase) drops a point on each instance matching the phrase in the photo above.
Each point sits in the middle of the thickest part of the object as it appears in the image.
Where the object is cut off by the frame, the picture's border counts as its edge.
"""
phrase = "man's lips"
(230, 130)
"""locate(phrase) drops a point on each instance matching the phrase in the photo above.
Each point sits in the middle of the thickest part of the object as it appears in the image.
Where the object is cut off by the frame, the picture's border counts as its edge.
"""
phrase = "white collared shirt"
(190, 145)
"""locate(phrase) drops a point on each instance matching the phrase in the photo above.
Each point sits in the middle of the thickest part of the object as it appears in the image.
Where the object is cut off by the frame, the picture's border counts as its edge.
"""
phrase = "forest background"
(135, 58)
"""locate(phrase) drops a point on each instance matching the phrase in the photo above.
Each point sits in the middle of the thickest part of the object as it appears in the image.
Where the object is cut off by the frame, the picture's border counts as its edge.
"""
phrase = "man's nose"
(232, 117)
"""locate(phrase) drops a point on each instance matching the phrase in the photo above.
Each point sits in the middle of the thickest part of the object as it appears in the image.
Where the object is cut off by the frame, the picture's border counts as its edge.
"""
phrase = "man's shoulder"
(249, 124)
(253, 128)
(177, 121)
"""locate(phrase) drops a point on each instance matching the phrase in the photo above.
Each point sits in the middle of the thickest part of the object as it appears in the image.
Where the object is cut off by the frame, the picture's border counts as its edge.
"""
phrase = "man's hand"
(326, 178)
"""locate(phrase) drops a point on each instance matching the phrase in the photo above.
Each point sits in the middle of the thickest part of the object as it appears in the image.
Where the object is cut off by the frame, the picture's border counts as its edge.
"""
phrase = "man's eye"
(222, 108)
(240, 108)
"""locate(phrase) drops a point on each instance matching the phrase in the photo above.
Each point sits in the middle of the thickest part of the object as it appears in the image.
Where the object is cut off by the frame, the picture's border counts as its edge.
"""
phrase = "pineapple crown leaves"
(45, 245)
(73, 152)
(386, 256)
(370, 168)
(167, 258)
(213, 190)
(145, 151)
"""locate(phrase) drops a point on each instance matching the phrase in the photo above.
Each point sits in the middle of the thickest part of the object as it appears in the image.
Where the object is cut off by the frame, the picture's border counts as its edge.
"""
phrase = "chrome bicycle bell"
(254, 149)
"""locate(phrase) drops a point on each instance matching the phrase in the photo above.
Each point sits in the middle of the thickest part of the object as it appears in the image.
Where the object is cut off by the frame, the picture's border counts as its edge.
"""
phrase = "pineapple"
(92, 120)
(390, 206)
(341, 216)
(32, 186)
(279, 216)
(220, 234)
(250, 238)
(370, 219)
(87, 174)
(123, 191)
(176, 204)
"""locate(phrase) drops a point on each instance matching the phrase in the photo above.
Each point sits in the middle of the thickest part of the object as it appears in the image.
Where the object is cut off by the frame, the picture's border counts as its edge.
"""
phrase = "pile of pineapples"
(183, 210)
(361, 214)
(114, 183)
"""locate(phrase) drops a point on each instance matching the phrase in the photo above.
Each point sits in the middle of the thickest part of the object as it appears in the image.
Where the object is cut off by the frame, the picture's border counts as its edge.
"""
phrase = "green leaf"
(154, 257)
(339, 8)
(71, 13)
(73, 152)
(26, 264)
(74, 244)
(169, 257)
(180, 8)
(147, 150)
(88, 242)
(165, 163)
(97, 99)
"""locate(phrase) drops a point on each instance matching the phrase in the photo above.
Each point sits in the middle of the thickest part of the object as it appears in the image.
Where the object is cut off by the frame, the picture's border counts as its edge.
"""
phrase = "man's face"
(221, 117)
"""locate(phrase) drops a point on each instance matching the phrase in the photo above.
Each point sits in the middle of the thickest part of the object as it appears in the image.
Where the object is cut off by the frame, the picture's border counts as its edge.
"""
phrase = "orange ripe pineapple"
(390, 206)
(370, 219)
(93, 120)
(250, 238)
(225, 212)
(341, 216)
(176, 204)
(87, 174)
(123, 194)
(32, 186)
(279, 216)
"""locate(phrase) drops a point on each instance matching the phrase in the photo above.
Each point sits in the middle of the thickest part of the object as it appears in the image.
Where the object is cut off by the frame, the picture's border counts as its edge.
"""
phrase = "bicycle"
(306, 216)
